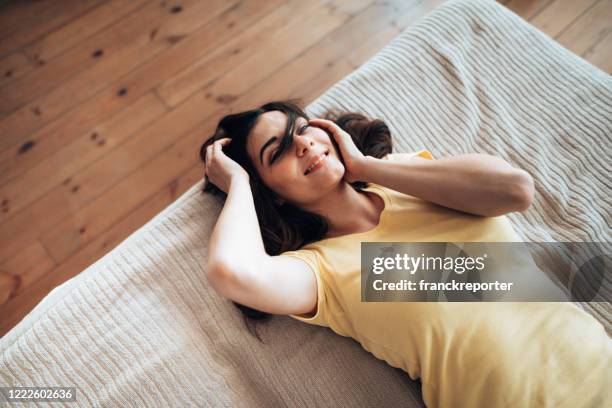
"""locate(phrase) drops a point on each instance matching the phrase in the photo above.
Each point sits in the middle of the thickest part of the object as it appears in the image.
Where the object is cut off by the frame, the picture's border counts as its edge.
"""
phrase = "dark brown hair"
(285, 227)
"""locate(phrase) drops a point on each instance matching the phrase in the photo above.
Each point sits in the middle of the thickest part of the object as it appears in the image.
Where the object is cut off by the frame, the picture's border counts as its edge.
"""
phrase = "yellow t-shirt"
(513, 354)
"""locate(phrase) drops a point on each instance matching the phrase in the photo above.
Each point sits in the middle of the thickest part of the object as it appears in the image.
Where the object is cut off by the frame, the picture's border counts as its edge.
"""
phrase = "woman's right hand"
(220, 169)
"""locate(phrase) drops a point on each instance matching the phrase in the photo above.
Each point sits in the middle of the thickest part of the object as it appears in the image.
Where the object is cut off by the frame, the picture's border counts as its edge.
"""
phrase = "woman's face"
(286, 174)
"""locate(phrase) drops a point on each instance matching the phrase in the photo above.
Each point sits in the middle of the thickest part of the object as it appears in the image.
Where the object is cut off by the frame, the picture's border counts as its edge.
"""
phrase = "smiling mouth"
(310, 169)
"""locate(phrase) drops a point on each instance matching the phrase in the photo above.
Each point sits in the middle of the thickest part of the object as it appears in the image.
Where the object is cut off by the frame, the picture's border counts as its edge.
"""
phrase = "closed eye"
(274, 155)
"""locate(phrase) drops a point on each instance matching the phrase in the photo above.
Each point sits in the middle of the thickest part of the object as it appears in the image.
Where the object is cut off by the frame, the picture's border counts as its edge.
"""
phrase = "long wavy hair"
(285, 227)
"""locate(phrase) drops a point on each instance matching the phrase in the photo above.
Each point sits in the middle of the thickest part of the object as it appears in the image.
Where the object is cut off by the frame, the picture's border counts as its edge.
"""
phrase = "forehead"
(272, 123)
(269, 124)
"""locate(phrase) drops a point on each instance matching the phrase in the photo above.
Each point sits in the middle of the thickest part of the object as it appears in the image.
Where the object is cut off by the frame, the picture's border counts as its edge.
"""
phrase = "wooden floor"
(103, 104)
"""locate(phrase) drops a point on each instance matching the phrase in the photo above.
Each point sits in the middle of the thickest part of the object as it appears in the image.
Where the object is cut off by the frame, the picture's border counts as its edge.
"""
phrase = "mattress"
(141, 327)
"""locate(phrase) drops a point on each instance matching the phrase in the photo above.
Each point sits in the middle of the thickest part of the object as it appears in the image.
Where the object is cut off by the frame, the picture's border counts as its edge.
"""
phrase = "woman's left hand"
(352, 157)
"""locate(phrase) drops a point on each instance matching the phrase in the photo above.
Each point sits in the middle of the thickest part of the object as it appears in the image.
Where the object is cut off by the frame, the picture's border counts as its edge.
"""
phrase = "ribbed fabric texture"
(141, 327)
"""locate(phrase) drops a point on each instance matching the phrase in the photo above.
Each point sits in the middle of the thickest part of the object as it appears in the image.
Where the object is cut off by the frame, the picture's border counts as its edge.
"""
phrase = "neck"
(347, 211)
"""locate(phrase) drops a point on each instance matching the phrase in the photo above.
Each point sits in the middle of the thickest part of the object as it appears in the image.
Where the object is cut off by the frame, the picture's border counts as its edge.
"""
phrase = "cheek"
(335, 163)
(332, 140)
(281, 176)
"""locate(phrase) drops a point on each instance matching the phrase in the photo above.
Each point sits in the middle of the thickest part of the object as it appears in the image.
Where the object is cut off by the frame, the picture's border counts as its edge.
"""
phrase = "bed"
(141, 327)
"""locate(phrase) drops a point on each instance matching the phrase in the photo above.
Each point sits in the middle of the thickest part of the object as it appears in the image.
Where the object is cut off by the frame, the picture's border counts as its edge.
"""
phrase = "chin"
(335, 180)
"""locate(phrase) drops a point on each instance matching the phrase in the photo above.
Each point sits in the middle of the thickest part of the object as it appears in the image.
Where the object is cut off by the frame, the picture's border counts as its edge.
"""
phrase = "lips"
(314, 160)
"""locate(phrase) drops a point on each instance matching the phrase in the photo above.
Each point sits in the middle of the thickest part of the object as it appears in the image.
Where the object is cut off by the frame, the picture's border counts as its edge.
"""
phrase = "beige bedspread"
(141, 327)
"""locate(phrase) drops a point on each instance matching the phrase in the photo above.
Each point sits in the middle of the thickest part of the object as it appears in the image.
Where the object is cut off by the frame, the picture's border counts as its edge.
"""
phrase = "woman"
(301, 196)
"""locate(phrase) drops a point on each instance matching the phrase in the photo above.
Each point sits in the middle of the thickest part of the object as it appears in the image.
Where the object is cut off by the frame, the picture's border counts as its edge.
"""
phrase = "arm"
(480, 184)
(241, 270)
(236, 236)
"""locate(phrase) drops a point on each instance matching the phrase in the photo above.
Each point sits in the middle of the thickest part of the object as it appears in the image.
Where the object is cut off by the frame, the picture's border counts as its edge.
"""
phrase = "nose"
(303, 143)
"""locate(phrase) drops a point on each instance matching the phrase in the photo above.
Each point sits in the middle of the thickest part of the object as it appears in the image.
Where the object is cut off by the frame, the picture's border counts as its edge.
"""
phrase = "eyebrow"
(268, 143)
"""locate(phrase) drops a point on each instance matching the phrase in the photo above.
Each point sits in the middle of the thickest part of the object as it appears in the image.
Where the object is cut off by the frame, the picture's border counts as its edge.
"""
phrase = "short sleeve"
(426, 154)
(311, 258)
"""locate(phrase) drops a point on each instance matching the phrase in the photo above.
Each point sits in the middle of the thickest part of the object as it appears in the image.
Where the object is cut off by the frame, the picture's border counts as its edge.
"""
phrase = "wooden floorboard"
(103, 104)
(23, 22)
(560, 14)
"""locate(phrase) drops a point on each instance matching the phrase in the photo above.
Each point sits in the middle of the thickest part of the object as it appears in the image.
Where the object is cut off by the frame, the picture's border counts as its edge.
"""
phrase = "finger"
(331, 127)
(320, 121)
(223, 142)
(206, 162)
(217, 147)
(209, 153)
(326, 124)
(218, 144)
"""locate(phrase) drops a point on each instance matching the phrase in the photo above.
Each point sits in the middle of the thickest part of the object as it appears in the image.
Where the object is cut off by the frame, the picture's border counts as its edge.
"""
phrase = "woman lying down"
(301, 196)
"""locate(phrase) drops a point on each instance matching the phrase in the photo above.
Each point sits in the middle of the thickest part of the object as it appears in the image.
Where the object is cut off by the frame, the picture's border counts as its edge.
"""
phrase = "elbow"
(521, 190)
(220, 277)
